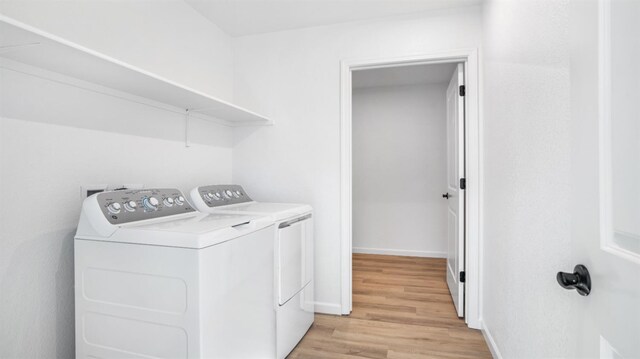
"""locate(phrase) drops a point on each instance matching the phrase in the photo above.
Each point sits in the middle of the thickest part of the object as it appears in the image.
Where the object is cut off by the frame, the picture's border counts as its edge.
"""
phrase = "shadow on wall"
(241, 134)
(30, 277)
(33, 98)
(65, 300)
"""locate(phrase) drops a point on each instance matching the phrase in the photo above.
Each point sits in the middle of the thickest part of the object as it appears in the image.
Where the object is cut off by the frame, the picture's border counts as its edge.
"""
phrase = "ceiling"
(245, 17)
(404, 75)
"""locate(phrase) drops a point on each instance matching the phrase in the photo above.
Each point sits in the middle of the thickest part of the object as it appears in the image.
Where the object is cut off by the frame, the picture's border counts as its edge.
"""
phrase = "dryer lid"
(198, 224)
(278, 211)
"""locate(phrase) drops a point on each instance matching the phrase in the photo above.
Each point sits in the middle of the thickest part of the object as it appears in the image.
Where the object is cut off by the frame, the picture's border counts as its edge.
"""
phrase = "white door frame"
(473, 171)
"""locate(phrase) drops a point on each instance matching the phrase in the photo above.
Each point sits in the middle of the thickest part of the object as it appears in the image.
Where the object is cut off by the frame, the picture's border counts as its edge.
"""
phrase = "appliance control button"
(130, 206)
(168, 202)
(228, 193)
(209, 196)
(179, 200)
(114, 207)
(238, 194)
(218, 196)
(150, 203)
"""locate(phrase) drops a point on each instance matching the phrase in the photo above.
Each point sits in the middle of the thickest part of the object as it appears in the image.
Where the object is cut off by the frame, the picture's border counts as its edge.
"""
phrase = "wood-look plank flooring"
(401, 309)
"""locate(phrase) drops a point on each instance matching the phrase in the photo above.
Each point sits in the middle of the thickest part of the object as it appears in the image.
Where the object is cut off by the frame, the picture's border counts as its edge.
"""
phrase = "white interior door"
(605, 165)
(455, 195)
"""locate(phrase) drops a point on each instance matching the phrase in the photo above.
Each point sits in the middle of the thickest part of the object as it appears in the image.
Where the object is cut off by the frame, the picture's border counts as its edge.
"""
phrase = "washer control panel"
(136, 205)
(223, 195)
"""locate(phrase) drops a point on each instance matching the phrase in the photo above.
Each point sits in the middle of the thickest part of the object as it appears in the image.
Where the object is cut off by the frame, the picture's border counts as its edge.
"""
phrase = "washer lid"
(278, 211)
(188, 231)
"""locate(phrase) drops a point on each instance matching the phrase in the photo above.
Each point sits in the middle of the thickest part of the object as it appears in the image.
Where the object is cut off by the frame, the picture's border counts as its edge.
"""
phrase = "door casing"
(473, 171)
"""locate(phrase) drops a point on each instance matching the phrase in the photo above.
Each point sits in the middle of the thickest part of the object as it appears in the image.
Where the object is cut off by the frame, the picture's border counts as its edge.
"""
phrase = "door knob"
(579, 280)
(446, 195)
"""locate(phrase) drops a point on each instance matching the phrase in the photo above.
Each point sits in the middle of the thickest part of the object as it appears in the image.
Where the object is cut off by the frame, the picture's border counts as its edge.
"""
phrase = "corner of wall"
(491, 343)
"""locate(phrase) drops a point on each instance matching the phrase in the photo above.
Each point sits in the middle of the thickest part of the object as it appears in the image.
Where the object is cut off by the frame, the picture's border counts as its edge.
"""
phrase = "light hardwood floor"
(401, 309)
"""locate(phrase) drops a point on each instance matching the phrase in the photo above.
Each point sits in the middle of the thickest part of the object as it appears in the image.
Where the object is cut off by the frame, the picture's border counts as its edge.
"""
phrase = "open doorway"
(405, 179)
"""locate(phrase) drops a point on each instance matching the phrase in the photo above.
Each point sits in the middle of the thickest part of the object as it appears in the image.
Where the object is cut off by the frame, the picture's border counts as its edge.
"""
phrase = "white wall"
(295, 77)
(399, 170)
(55, 137)
(527, 145)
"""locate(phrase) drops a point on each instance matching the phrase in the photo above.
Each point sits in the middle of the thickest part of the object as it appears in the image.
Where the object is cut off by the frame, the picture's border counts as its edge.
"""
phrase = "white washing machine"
(293, 266)
(156, 279)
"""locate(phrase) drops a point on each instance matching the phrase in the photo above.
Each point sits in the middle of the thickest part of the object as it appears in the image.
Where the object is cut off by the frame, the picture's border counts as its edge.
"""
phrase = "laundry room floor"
(401, 309)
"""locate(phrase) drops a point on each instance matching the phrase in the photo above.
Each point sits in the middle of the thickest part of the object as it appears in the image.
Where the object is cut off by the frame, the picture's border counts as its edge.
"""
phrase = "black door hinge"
(463, 277)
(462, 90)
(463, 183)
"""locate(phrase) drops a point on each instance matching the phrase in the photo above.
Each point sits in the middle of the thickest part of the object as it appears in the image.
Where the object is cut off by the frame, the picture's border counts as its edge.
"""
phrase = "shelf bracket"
(187, 120)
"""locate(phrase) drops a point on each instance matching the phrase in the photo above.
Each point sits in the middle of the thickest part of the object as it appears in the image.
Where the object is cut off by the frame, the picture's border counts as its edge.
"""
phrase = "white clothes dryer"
(155, 278)
(293, 265)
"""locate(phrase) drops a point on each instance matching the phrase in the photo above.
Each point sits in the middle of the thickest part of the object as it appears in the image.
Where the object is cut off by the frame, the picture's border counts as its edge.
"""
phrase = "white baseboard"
(400, 252)
(328, 308)
(493, 347)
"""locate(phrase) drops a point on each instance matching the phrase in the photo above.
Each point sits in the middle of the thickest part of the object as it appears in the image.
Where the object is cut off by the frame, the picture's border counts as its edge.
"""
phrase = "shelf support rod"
(187, 120)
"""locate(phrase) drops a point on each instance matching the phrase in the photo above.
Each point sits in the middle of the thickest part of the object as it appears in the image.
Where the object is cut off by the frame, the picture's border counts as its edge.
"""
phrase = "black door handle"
(446, 195)
(579, 280)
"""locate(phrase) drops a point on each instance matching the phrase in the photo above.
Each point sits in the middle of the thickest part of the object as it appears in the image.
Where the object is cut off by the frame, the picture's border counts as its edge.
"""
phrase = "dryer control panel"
(135, 205)
(223, 195)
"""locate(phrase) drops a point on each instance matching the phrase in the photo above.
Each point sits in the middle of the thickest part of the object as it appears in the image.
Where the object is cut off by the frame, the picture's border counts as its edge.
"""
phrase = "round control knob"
(150, 203)
(114, 207)
(209, 196)
(238, 193)
(228, 193)
(179, 200)
(218, 196)
(130, 206)
(168, 202)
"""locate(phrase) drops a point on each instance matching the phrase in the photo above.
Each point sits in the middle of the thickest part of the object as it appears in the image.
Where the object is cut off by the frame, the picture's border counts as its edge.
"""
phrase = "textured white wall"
(54, 138)
(399, 170)
(527, 141)
(295, 77)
